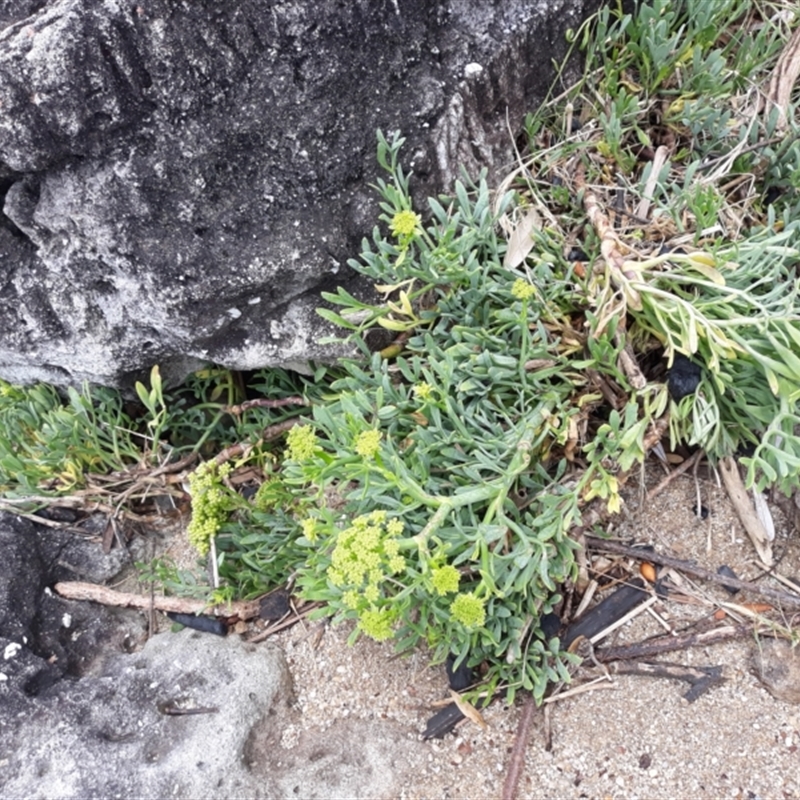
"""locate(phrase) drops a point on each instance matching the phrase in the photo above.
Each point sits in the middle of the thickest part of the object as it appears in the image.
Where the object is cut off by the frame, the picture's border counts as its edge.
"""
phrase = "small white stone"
(66, 620)
(12, 648)
(472, 70)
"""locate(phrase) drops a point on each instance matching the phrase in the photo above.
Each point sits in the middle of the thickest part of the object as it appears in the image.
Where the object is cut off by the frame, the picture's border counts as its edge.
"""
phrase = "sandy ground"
(636, 737)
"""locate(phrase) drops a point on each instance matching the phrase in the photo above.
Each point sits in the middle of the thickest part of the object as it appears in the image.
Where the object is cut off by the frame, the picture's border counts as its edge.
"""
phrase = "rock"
(56, 637)
(91, 710)
(778, 668)
(119, 734)
(182, 179)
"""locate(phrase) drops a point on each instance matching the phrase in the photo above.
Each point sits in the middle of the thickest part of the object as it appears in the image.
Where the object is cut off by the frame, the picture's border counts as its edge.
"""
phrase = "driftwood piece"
(775, 595)
(77, 590)
(729, 470)
(701, 679)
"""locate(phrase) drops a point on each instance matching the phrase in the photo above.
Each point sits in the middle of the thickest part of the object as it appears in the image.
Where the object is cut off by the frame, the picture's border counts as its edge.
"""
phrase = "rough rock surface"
(777, 665)
(118, 734)
(180, 179)
(87, 711)
(49, 638)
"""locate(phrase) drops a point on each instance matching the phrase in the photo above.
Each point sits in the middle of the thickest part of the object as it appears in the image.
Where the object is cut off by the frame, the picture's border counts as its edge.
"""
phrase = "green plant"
(49, 444)
(463, 456)
(428, 492)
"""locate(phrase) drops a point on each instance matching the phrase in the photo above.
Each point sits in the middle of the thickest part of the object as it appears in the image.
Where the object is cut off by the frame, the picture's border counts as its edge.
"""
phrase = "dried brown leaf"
(468, 710)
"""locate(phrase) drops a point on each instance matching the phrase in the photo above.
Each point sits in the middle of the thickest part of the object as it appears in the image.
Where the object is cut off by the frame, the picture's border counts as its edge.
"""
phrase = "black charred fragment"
(459, 678)
(550, 625)
(442, 722)
(200, 622)
(727, 572)
(607, 611)
(275, 605)
(576, 254)
(683, 377)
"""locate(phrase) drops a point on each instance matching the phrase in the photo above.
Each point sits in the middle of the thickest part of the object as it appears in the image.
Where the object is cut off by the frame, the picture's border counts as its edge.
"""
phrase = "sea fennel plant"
(449, 461)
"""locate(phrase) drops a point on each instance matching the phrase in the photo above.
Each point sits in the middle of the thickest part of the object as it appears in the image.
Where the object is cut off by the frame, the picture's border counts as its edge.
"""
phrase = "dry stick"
(264, 402)
(274, 431)
(670, 643)
(286, 621)
(714, 162)
(240, 449)
(679, 470)
(77, 590)
(692, 569)
(518, 752)
(701, 678)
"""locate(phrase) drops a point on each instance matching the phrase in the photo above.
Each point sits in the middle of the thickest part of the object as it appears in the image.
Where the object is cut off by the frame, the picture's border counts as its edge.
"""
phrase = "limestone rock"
(181, 179)
(121, 733)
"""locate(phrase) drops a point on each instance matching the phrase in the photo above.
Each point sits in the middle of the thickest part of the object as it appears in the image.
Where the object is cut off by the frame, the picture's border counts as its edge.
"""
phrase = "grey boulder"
(181, 179)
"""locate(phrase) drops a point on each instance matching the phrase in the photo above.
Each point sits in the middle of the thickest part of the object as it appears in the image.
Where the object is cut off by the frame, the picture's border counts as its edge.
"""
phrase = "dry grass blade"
(468, 710)
(520, 240)
(602, 682)
(624, 620)
(783, 79)
(729, 471)
(659, 159)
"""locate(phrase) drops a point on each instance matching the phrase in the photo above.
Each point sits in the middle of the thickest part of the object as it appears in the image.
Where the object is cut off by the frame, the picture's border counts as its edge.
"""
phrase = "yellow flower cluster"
(404, 224)
(422, 391)
(365, 555)
(445, 579)
(523, 290)
(309, 527)
(468, 610)
(209, 503)
(368, 443)
(377, 623)
(301, 443)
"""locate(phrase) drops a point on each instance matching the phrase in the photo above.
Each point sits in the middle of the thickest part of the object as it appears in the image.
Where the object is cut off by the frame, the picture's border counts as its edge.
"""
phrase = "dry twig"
(265, 402)
(692, 569)
(679, 470)
(77, 590)
(670, 643)
(518, 752)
